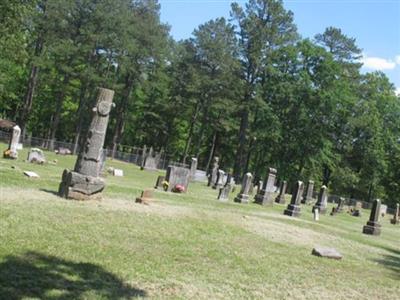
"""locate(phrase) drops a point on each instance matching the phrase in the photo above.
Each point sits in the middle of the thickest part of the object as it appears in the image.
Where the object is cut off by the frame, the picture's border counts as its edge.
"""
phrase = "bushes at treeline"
(250, 90)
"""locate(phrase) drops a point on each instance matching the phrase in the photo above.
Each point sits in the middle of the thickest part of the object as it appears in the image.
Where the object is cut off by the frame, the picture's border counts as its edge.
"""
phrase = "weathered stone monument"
(373, 226)
(226, 189)
(282, 191)
(322, 202)
(12, 152)
(308, 196)
(151, 160)
(294, 208)
(219, 180)
(177, 176)
(35, 155)
(396, 216)
(243, 196)
(193, 168)
(340, 206)
(214, 171)
(84, 182)
(265, 196)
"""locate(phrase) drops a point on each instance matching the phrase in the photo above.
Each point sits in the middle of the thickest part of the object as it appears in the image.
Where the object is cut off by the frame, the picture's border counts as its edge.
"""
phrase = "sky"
(375, 24)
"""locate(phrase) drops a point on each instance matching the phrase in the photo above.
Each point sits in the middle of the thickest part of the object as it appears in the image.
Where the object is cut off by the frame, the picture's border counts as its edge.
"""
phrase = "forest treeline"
(249, 90)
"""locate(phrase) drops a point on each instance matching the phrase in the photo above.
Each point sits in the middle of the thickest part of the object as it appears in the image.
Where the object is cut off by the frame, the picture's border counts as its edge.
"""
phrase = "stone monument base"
(242, 198)
(264, 198)
(80, 187)
(372, 228)
(292, 210)
(322, 209)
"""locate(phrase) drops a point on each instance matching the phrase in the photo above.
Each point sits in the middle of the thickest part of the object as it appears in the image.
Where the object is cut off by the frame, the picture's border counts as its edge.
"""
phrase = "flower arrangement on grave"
(178, 188)
(165, 185)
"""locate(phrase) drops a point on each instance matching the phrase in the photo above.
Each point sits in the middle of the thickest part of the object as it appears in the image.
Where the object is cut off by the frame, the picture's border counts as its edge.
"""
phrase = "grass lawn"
(180, 246)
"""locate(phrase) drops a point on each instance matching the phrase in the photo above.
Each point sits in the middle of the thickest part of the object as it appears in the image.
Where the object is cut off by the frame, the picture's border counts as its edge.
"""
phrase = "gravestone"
(373, 226)
(340, 206)
(31, 174)
(243, 196)
(146, 197)
(118, 173)
(259, 186)
(282, 191)
(63, 151)
(396, 216)
(326, 252)
(265, 196)
(383, 210)
(219, 180)
(193, 168)
(358, 205)
(35, 155)
(151, 160)
(294, 208)
(316, 214)
(177, 176)
(143, 158)
(225, 190)
(12, 152)
(214, 172)
(308, 196)
(83, 182)
(322, 202)
(159, 182)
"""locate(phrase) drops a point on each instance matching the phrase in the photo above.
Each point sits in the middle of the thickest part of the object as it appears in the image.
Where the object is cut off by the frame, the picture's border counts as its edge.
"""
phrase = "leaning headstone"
(396, 216)
(12, 152)
(326, 252)
(146, 197)
(177, 176)
(193, 168)
(243, 196)
(373, 226)
(31, 174)
(322, 202)
(265, 196)
(84, 182)
(294, 208)
(36, 156)
(307, 198)
(214, 171)
(282, 191)
(159, 182)
(219, 180)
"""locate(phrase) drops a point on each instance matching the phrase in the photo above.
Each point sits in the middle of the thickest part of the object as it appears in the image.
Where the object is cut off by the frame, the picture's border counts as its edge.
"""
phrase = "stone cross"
(294, 208)
(322, 201)
(282, 191)
(373, 226)
(193, 168)
(219, 180)
(308, 197)
(214, 172)
(84, 182)
(396, 216)
(12, 152)
(265, 196)
(243, 196)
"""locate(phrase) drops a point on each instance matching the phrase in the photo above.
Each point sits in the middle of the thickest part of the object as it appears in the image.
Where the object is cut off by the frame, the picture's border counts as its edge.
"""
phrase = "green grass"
(180, 246)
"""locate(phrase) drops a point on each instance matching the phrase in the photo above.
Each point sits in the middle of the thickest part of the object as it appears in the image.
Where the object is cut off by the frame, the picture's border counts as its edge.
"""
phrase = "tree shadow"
(35, 275)
(391, 261)
(55, 193)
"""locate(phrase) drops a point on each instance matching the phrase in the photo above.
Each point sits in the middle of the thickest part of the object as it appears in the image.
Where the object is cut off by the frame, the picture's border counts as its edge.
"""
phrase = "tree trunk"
(212, 151)
(241, 151)
(201, 133)
(190, 135)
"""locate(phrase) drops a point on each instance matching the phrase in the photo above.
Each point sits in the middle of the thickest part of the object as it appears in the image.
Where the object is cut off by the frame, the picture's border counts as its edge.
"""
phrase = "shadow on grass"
(55, 193)
(391, 261)
(36, 275)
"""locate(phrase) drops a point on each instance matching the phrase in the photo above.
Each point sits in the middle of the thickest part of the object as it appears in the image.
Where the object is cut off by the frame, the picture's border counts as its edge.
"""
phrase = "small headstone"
(294, 208)
(316, 214)
(396, 216)
(63, 151)
(282, 191)
(373, 226)
(193, 168)
(307, 197)
(20, 146)
(177, 176)
(31, 174)
(118, 173)
(340, 206)
(146, 197)
(265, 196)
(243, 196)
(219, 180)
(358, 205)
(322, 201)
(326, 252)
(36, 155)
(159, 182)
(214, 172)
(224, 192)
(383, 210)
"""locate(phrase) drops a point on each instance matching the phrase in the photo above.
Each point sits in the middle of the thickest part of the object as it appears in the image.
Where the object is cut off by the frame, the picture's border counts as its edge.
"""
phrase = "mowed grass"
(181, 246)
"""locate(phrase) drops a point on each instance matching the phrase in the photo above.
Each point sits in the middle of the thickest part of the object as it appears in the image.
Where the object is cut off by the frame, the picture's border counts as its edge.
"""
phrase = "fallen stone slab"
(326, 252)
(31, 174)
